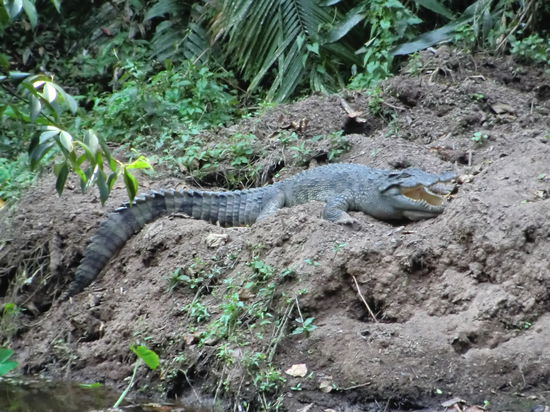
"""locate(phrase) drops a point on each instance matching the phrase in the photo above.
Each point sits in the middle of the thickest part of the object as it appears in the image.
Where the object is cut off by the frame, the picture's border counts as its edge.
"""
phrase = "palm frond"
(181, 34)
(266, 40)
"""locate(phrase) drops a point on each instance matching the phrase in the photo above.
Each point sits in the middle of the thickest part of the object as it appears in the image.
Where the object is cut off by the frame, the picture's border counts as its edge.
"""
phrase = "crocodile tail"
(226, 208)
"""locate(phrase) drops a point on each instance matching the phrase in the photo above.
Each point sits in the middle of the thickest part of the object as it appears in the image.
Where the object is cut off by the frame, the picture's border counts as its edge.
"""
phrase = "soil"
(460, 303)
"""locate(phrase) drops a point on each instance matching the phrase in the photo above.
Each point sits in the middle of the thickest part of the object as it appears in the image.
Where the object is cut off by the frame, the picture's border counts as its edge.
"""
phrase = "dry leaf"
(465, 179)
(298, 370)
(214, 240)
(500, 108)
(474, 409)
(325, 384)
(451, 402)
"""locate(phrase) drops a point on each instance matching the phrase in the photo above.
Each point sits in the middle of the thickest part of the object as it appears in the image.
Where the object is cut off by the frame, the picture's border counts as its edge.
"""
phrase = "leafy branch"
(41, 102)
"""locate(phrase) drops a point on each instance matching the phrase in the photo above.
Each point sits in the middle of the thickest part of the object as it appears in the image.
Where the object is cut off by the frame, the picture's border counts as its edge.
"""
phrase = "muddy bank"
(461, 302)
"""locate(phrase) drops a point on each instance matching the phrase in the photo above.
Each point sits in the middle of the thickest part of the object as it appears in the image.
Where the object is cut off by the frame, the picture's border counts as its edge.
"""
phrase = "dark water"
(32, 395)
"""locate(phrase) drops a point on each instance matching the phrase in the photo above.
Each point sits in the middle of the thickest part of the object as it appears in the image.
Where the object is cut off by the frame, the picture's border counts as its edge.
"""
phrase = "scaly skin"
(383, 194)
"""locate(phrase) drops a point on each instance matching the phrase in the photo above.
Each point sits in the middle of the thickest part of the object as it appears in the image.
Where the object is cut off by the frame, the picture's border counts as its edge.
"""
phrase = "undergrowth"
(148, 111)
(15, 177)
(240, 320)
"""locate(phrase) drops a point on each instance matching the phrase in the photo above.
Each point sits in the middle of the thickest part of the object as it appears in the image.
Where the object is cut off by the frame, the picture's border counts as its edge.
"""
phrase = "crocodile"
(406, 194)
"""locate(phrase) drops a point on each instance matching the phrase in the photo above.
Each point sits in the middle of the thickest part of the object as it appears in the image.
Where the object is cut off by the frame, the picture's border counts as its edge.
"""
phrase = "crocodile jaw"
(419, 202)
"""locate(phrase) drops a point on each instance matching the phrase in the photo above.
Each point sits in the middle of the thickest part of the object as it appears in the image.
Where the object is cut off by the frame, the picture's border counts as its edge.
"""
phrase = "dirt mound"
(460, 304)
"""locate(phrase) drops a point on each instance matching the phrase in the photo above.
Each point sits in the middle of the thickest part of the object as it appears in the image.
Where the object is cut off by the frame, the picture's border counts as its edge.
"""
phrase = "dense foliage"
(76, 79)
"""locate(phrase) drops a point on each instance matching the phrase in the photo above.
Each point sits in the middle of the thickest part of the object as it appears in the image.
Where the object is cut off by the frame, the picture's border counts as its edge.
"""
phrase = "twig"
(398, 108)
(363, 299)
(192, 387)
(349, 388)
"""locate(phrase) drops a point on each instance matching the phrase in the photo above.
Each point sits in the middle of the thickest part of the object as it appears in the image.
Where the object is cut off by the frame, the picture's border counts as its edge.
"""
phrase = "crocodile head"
(415, 194)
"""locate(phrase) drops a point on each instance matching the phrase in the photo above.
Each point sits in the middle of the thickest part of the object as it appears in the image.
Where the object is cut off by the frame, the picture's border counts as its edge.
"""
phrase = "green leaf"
(57, 5)
(36, 108)
(71, 102)
(18, 75)
(48, 134)
(4, 63)
(14, 8)
(131, 184)
(38, 151)
(352, 19)
(30, 11)
(4, 16)
(62, 171)
(103, 187)
(436, 7)
(66, 97)
(10, 309)
(112, 180)
(87, 153)
(66, 140)
(91, 141)
(140, 163)
(91, 385)
(428, 39)
(147, 355)
(107, 153)
(6, 365)
(48, 92)
(160, 8)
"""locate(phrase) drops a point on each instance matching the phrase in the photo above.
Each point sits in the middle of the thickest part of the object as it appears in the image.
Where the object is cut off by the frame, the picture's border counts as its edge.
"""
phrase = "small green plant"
(197, 311)
(465, 36)
(286, 137)
(390, 22)
(261, 270)
(8, 321)
(232, 308)
(524, 325)
(339, 144)
(287, 273)
(306, 326)
(376, 100)
(296, 388)
(479, 138)
(237, 154)
(242, 149)
(312, 262)
(534, 48)
(302, 153)
(145, 355)
(339, 246)
(225, 354)
(185, 98)
(6, 365)
(193, 276)
(255, 360)
(415, 64)
(479, 97)
(15, 177)
(179, 277)
(268, 380)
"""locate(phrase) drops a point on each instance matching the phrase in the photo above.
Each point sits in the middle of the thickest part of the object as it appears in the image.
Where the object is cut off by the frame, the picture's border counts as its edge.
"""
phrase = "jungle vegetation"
(79, 80)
